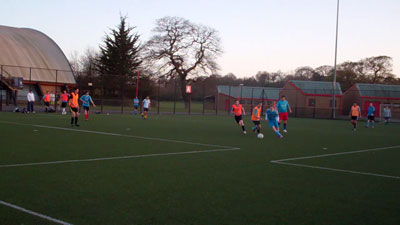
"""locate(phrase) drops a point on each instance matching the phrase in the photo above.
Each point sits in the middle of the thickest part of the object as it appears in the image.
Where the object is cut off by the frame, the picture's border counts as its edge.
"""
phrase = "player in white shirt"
(31, 99)
(146, 107)
(387, 114)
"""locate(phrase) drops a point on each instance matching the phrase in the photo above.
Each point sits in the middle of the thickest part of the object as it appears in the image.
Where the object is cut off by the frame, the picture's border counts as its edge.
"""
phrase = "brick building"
(312, 98)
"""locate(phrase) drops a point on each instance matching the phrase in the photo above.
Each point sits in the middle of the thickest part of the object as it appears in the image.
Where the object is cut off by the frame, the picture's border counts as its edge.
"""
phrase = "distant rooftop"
(379, 90)
(249, 92)
(317, 87)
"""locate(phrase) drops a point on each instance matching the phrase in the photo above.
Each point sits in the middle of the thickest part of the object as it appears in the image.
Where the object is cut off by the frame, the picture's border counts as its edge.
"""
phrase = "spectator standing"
(31, 100)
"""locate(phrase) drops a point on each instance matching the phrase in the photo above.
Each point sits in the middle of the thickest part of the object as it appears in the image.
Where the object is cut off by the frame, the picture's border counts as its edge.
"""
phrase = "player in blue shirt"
(283, 106)
(135, 104)
(371, 115)
(270, 116)
(86, 100)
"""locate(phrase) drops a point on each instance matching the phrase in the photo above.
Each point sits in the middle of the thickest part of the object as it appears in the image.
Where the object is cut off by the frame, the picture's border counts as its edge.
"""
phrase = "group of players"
(68, 99)
(355, 115)
(146, 106)
(277, 113)
(73, 101)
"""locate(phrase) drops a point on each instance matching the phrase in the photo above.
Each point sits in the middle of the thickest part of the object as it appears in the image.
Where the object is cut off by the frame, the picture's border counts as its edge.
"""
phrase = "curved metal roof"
(25, 47)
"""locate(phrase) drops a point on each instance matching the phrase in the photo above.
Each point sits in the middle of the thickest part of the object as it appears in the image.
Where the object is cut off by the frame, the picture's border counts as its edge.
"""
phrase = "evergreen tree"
(119, 58)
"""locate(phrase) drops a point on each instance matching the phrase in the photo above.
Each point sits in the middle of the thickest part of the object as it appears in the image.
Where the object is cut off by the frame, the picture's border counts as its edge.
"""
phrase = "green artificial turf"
(222, 187)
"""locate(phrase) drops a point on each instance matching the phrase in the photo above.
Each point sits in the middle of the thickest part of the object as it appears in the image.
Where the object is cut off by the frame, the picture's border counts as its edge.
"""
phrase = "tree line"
(181, 52)
(373, 70)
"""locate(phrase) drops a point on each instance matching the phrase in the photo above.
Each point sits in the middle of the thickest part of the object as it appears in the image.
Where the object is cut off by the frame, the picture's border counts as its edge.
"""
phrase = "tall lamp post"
(335, 66)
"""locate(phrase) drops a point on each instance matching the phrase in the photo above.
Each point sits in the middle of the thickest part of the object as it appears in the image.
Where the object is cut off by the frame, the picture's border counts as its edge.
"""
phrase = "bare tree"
(304, 73)
(324, 71)
(84, 67)
(88, 61)
(180, 48)
(265, 78)
(74, 62)
(378, 68)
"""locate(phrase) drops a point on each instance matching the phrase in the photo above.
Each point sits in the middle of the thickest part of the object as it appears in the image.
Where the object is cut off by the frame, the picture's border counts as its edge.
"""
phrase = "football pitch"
(121, 169)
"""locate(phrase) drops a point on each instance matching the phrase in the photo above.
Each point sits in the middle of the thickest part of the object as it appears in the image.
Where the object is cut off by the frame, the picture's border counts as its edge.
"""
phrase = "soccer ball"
(260, 136)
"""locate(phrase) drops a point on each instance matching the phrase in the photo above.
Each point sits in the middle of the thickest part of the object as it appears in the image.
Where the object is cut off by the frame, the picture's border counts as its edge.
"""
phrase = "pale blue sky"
(257, 35)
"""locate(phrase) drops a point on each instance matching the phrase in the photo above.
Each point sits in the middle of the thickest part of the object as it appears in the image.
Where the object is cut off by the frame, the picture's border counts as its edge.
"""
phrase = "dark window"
(311, 102)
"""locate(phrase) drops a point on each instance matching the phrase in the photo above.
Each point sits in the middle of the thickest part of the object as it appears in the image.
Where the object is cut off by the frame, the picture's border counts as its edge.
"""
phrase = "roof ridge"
(249, 87)
(378, 84)
(316, 81)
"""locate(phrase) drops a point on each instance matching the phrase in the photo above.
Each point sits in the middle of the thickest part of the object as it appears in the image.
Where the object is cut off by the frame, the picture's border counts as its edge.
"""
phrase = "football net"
(394, 112)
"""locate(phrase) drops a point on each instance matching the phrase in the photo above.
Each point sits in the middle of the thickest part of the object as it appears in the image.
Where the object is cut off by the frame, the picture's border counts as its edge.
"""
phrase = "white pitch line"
(223, 148)
(116, 134)
(284, 162)
(34, 213)
(117, 157)
(337, 170)
(334, 154)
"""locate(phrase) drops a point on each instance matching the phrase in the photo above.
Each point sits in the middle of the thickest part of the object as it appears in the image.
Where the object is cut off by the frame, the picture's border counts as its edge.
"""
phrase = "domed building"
(30, 60)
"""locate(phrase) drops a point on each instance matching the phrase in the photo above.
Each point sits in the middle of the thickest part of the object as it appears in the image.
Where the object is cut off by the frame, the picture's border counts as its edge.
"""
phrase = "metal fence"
(15, 82)
(205, 97)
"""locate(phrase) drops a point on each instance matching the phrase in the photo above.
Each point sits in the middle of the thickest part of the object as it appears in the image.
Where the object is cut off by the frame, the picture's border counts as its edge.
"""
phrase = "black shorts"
(256, 122)
(354, 118)
(86, 108)
(135, 106)
(63, 104)
(47, 103)
(74, 109)
(371, 118)
(146, 109)
(238, 118)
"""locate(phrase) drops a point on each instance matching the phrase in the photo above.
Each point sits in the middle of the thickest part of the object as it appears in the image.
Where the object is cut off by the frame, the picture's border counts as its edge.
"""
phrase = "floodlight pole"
(335, 66)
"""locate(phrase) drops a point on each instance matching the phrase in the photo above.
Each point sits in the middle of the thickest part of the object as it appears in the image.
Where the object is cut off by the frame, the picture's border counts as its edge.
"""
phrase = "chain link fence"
(115, 94)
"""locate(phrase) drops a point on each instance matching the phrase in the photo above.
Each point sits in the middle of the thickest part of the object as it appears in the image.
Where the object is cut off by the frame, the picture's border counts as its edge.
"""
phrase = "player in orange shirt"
(255, 117)
(46, 100)
(238, 111)
(64, 101)
(74, 106)
(355, 114)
